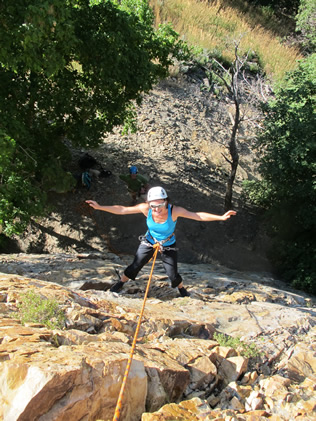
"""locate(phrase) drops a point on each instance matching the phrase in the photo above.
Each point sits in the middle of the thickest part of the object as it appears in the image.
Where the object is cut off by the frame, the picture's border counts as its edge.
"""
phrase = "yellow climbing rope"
(118, 408)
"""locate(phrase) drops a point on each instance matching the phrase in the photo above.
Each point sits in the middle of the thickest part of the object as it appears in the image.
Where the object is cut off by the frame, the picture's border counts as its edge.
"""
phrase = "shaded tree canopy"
(288, 6)
(287, 164)
(69, 69)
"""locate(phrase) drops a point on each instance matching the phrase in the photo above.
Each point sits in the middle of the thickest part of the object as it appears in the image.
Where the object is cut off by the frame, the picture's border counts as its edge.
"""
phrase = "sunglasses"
(161, 205)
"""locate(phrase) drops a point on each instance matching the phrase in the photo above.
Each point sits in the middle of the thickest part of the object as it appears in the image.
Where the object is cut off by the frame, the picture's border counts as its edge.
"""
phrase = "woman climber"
(161, 222)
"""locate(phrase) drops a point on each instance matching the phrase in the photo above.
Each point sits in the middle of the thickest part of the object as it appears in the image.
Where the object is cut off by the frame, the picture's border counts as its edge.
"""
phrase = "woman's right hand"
(93, 204)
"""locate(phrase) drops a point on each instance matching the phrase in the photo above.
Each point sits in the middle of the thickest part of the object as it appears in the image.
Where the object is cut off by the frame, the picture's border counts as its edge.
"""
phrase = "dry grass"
(214, 26)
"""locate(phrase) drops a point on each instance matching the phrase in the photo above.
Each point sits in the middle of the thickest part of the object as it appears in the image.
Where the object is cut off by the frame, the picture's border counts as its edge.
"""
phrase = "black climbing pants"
(169, 259)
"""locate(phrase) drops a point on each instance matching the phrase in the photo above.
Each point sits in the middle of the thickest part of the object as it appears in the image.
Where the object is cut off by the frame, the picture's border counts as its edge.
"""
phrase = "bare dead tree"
(234, 79)
(231, 81)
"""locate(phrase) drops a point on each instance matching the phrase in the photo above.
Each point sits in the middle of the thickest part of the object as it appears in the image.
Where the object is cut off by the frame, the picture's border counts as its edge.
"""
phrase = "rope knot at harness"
(159, 246)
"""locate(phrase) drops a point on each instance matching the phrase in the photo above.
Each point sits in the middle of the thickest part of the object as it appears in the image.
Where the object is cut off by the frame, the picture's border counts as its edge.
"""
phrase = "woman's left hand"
(228, 214)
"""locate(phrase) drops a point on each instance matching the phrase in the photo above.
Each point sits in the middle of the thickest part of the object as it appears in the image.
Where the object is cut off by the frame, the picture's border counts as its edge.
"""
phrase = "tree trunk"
(234, 159)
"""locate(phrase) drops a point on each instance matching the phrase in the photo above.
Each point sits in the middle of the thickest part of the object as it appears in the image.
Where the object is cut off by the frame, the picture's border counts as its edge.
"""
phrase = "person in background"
(161, 219)
(137, 184)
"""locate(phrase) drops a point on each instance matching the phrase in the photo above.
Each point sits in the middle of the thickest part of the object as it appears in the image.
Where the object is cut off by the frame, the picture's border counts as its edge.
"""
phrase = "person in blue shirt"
(161, 223)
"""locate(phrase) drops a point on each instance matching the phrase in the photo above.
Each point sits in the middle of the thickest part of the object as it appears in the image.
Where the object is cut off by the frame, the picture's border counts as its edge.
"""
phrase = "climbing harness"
(143, 239)
(118, 408)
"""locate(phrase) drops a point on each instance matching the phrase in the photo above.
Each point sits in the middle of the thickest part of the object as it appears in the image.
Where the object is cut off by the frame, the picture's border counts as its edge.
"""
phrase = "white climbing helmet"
(156, 193)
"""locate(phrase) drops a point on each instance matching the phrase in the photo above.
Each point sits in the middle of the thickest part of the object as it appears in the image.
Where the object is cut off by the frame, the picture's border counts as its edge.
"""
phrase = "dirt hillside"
(181, 144)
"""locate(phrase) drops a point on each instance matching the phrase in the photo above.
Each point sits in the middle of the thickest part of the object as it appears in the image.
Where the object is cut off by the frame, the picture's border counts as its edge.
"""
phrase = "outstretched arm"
(118, 209)
(179, 212)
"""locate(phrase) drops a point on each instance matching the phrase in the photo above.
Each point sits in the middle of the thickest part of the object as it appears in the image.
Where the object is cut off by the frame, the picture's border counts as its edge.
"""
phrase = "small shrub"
(267, 12)
(36, 309)
(253, 67)
(245, 349)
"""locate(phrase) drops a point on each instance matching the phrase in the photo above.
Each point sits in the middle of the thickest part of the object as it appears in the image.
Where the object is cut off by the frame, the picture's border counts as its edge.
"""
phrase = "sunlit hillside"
(215, 25)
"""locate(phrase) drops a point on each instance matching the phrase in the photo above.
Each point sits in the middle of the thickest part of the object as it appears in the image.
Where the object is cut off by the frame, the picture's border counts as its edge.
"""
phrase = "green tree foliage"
(18, 197)
(70, 70)
(287, 147)
(306, 24)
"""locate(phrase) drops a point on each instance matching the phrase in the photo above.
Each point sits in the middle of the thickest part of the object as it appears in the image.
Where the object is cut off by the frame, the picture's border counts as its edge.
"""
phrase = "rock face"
(180, 370)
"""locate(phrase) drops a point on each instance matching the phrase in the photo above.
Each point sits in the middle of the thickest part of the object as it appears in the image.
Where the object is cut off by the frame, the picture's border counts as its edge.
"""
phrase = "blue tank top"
(161, 232)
